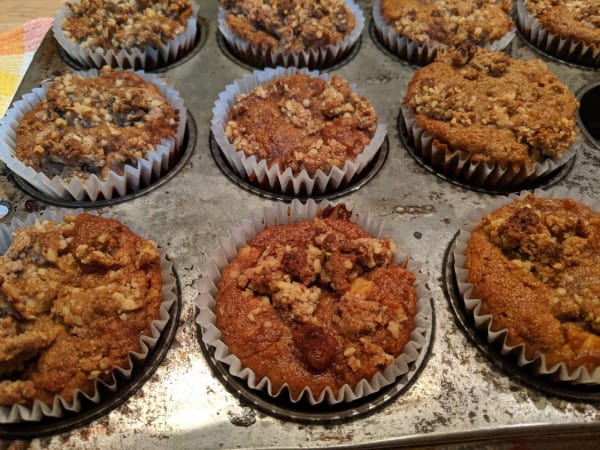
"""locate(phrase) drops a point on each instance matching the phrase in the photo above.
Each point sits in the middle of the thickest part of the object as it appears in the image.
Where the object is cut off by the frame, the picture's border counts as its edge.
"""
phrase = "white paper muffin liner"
(257, 171)
(538, 366)
(156, 163)
(39, 410)
(460, 165)
(567, 49)
(135, 58)
(415, 52)
(314, 58)
(281, 214)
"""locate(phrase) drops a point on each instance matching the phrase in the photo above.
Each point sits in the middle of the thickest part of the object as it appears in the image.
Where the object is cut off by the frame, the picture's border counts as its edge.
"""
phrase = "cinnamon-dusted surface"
(316, 304)
(535, 264)
(289, 25)
(453, 23)
(493, 107)
(302, 122)
(94, 125)
(123, 24)
(82, 293)
(573, 19)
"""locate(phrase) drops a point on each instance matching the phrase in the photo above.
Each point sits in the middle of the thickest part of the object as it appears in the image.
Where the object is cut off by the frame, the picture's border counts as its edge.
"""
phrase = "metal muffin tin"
(461, 395)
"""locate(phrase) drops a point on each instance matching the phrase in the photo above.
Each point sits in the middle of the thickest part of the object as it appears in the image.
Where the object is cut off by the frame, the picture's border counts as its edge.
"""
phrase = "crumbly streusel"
(82, 293)
(493, 107)
(125, 24)
(453, 23)
(94, 125)
(289, 25)
(318, 303)
(535, 265)
(575, 19)
(302, 122)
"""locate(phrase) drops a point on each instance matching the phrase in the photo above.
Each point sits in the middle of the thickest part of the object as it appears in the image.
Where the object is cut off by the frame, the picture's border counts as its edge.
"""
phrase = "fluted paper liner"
(257, 170)
(538, 366)
(280, 214)
(39, 410)
(567, 49)
(146, 58)
(460, 165)
(313, 58)
(415, 52)
(135, 177)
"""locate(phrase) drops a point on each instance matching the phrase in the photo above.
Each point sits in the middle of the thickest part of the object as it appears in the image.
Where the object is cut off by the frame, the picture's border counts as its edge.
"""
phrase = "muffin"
(532, 265)
(490, 120)
(79, 295)
(301, 33)
(315, 306)
(142, 34)
(95, 133)
(567, 29)
(321, 132)
(416, 30)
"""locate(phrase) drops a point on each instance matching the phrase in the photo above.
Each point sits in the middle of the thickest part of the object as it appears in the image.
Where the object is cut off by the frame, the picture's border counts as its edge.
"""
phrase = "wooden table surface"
(16, 12)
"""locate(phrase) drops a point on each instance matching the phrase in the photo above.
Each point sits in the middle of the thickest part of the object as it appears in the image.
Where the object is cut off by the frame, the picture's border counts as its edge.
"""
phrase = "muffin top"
(302, 122)
(316, 304)
(454, 23)
(493, 107)
(125, 24)
(94, 125)
(575, 19)
(289, 25)
(81, 292)
(534, 263)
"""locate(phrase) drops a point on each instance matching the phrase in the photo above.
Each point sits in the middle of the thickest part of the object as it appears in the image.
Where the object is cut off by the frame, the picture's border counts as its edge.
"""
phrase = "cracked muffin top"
(316, 304)
(75, 298)
(94, 125)
(289, 25)
(453, 23)
(125, 24)
(535, 263)
(494, 107)
(302, 122)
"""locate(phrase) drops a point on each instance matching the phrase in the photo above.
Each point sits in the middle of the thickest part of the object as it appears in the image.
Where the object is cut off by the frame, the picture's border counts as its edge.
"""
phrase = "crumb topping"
(79, 294)
(289, 25)
(454, 23)
(125, 24)
(550, 247)
(303, 123)
(575, 19)
(94, 125)
(321, 298)
(494, 107)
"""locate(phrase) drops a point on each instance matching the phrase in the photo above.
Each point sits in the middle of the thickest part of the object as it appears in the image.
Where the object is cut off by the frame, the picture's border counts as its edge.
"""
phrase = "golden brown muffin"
(493, 108)
(289, 25)
(302, 122)
(452, 23)
(81, 294)
(122, 24)
(578, 20)
(316, 304)
(94, 125)
(534, 264)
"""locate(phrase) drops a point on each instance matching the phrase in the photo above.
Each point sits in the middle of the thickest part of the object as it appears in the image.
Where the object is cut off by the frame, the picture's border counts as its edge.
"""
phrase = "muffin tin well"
(462, 390)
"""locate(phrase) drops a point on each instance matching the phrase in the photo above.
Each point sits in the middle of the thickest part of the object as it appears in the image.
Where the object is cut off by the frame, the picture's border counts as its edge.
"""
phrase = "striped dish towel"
(17, 48)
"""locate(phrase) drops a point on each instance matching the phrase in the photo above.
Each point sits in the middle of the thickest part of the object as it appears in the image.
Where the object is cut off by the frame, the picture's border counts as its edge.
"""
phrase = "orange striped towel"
(17, 48)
